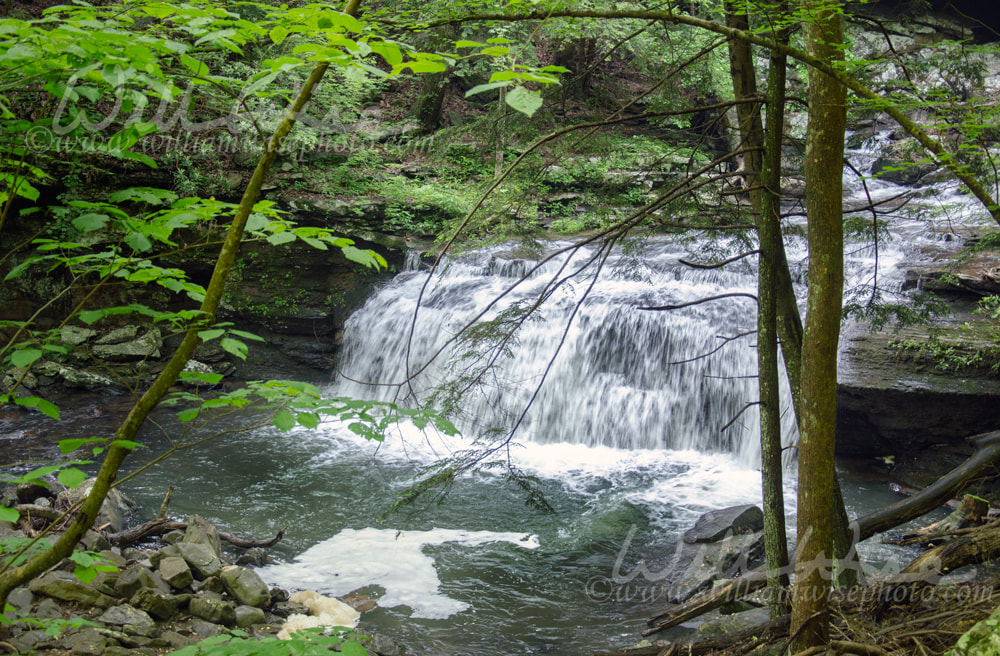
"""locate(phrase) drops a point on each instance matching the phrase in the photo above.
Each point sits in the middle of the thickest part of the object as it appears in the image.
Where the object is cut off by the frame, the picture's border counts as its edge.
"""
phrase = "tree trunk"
(772, 250)
(763, 157)
(818, 394)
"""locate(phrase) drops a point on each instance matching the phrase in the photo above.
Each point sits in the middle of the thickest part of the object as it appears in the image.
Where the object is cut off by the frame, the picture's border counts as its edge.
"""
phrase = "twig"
(162, 512)
(700, 300)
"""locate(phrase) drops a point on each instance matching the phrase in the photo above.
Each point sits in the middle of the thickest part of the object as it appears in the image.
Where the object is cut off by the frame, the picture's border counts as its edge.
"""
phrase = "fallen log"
(971, 511)
(974, 546)
(708, 600)
(163, 525)
(950, 485)
(906, 541)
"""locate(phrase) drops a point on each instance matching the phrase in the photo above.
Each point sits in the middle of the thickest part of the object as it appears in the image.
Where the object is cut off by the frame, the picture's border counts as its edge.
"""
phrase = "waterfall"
(623, 377)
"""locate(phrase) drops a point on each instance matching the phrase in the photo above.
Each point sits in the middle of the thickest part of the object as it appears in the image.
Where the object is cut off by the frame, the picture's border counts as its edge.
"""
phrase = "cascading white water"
(624, 377)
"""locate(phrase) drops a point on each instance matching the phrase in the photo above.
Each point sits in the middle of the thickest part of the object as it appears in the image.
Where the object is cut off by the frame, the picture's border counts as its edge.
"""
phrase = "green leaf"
(525, 101)
(198, 68)
(463, 43)
(72, 444)
(489, 86)
(46, 408)
(246, 335)
(38, 473)
(127, 444)
(71, 477)
(278, 34)
(140, 242)
(494, 51)
(9, 515)
(278, 238)
(352, 648)
(24, 357)
(235, 346)
(355, 254)
(308, 419)
(284, 420)
(209, 335)
(201, 376)
(85, 574)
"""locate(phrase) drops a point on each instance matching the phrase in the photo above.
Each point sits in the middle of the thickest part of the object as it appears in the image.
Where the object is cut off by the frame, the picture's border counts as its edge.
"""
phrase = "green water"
(612, 507)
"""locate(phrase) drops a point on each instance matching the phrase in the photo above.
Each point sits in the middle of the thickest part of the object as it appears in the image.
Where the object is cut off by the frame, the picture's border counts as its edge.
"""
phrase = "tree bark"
(763, 173)
(818, 396)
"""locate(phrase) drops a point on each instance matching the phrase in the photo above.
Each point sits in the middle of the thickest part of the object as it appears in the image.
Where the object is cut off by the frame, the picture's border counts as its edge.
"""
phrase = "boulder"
(176, 572)
(132, 620)
(66, 587)
(161, 606)
(211, 584)
(205, 629)
(716, 524)
(140, 348)
(20, 599)
(118, 335)
(88, 380)
(114, 510)
(695, 567)
(254, 557)
(249, 615)
(211, 607)
(169, 551)
(75, 335)
(88, 641)
(135, 578)
(200, 531)
(246, 586)
(203, 560)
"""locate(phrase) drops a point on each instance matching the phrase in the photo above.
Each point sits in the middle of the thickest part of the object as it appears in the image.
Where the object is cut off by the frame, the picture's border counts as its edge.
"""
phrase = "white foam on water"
(388, 558)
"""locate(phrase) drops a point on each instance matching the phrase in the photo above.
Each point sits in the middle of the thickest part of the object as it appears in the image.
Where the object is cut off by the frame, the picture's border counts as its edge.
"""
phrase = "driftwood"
(950, 485)
(708, 600)
(739, 642)
(976, 546)
(162, 525)
(971, 511)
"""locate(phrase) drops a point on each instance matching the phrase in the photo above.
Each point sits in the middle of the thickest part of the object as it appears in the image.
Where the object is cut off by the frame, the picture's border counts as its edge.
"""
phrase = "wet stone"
(160, 606)
(212, 607)
(30, 641)
(246, 586)
(169, 551)
(176, 573)
(66, 587)
(88, 641)
(249, 615)
(202, 559)
(200, 531)
(211, 584)
(204, 629)
(135, 578)
(175, 640)
(20, 599)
